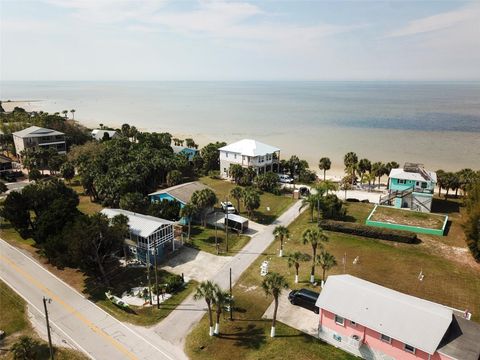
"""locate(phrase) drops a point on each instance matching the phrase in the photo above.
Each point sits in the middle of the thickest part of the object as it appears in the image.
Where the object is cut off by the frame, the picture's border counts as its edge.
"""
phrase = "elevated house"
(249, 153)
(148, 236)
(37, 137)
(410, 187)
(99, 134)
(374, 322)
(187, 151)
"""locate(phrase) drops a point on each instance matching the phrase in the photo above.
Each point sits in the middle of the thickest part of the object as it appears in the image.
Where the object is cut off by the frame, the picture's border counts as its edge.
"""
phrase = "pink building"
(374, 322)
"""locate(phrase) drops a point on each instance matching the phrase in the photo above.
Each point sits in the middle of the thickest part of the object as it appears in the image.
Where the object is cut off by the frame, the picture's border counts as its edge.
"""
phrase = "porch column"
(173, 238)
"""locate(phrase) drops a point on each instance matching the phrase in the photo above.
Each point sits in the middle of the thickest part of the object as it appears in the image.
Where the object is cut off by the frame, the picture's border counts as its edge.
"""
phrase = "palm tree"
(294, 259)
(311, 201)
(25, 348)
(187, 212)
(65, 113)
(272, 284)
(221, 298)
(251, 200)
(206, 290)
(326, 262)
(314, 237)
(281, 232)
(350, 160)
(237, 193)
(73, 114)
(324, 164)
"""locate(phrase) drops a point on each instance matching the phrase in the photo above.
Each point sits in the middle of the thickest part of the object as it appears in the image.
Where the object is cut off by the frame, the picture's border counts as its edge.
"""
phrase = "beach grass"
(15, 323)
(393, 265)
(203, 239)
(271, 206)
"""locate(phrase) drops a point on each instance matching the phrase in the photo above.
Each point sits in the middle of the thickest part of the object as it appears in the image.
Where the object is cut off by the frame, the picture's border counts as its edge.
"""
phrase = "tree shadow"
(445, 206)
(250, 337)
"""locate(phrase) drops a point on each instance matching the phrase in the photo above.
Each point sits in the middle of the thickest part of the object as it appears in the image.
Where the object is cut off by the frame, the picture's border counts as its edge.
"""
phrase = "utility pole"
(156, 279)
(226, 229)
(216, 237)
(148, 273)
(231, 296)
(48, 326)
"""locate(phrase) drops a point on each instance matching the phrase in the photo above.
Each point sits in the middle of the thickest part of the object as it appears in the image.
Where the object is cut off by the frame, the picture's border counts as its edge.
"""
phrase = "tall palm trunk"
(217, 324)
(210, 318)
(189, 228)
(274, 320)
(312, 274)
(324, 172)
(297, 265)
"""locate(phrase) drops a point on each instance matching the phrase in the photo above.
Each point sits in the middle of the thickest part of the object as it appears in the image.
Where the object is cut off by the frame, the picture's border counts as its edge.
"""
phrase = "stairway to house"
(394, 194)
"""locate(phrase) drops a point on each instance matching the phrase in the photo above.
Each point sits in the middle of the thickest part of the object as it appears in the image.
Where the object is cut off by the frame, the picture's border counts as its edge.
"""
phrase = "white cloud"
(438, 22)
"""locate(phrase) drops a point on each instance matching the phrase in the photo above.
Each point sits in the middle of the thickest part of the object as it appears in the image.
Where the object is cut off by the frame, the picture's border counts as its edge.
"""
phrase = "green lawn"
(204, 239)
(389, 264)
(15, 324)
(358, 212)
(271, 206)
(86, 205)
(124, 280)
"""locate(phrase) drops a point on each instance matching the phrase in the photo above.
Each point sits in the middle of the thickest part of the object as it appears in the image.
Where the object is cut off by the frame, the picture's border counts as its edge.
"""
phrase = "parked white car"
(285, 179)
(227, 207)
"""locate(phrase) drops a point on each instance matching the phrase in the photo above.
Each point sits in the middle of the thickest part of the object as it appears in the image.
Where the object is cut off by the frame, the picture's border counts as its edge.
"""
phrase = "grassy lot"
(276, 203)
(358, 212)
(86, 205)
(406, 217)
(389, 264)
(15, 324)
(204, 239)
(123, 280)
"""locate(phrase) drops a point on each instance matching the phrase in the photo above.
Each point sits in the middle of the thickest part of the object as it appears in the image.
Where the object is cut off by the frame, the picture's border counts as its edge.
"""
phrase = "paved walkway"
(180, 322)
(76, 320)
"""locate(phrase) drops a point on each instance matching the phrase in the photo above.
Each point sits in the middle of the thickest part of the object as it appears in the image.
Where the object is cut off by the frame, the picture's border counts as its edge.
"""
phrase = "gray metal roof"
(140, 225)
(407, 175)
(462, 341)
(35, 131)
(237, 218)
(249, 147)
(182, 192)
(97, 134)
(411, 320)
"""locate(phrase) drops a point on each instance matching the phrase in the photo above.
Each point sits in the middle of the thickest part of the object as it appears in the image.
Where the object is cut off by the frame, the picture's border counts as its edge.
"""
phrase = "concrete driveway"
(294, 316)
(195, 264)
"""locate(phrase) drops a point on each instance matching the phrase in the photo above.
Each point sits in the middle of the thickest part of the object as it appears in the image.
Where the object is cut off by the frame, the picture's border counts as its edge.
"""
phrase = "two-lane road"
(90, 328)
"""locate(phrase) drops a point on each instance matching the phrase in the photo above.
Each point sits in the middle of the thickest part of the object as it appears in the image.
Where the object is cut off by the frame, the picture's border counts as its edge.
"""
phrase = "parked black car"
(304, 298)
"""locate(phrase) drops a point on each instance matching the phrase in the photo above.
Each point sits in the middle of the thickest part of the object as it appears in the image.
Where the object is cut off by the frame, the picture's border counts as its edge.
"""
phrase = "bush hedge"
(369, 231)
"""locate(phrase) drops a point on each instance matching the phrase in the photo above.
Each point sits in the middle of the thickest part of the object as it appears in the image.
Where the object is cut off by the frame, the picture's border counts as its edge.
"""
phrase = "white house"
(98, 134)
(37, 137)
(149, 235)
(249, 153)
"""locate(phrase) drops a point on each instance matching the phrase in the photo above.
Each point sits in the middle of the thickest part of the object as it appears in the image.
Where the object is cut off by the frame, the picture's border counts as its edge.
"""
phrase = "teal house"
(181, 193)
(410, 187)
(188, 152)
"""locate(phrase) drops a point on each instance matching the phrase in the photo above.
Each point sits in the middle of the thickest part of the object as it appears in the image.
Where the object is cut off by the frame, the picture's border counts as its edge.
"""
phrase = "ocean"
(434, 123)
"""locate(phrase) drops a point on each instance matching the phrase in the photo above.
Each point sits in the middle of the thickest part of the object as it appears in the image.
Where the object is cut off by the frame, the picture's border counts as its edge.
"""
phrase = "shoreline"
(333, 141)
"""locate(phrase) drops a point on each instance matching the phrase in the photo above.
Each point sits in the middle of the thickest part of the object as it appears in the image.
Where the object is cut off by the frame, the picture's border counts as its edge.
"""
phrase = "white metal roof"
(98, 133)
(237, 218)
(405, 175)
(411, 320)
(35, 131)
(140, 225)
(249, 147)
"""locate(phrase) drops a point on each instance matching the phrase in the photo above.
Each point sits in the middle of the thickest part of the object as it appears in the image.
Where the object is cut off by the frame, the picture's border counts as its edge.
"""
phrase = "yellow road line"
(71, 310)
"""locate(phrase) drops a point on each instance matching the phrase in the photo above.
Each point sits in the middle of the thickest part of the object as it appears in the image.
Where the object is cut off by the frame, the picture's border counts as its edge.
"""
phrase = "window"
(402, 181)
(235, 156)
(386, 338)
(353, 323)
(424, 185)
(409, 348)
(339, 320)
(226, 154)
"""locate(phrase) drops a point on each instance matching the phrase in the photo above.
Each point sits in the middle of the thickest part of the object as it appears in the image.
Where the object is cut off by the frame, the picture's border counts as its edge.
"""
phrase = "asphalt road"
(78, 320)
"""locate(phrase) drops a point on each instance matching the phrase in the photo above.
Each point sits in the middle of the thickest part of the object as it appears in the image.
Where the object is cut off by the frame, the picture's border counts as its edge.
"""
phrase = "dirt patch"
(406, 217)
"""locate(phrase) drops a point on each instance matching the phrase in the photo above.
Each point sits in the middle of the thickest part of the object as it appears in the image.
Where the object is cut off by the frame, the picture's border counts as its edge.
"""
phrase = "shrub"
(214, 174)
(268, 182)
(369, 231)
(174, 283)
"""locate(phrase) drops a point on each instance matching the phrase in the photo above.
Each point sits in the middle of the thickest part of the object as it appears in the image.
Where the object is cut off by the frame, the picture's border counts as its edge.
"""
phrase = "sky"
(239, 40)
